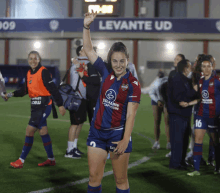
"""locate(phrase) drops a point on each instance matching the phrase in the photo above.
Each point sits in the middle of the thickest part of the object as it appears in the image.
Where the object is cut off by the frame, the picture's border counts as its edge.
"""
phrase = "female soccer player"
(114, 114)
(206, 117)
(39, 85)
(158, 109)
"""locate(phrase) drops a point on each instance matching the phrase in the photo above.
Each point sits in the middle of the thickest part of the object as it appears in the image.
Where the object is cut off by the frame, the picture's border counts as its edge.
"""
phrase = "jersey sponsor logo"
(124, 87)
(136, 82)
(205, 97)
(110, 104)
(205, 94)
(109, 100)
(112, 77)
(110, 95)
(36, 102)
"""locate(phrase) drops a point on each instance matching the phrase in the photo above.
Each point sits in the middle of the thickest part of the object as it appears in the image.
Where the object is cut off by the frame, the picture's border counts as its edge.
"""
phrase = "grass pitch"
(153, 176)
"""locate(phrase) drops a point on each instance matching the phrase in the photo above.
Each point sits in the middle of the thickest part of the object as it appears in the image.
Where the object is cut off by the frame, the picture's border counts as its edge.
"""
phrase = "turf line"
(84, 180)
(136, 163)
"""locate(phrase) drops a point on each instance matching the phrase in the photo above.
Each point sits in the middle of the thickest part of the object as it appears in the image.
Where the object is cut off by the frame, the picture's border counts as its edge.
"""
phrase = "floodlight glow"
(37, 45)
(170, 46)
(101, 45)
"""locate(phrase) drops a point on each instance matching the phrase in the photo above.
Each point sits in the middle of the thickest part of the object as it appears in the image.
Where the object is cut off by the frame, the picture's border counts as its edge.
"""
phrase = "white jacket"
(132, 69)
(155, 89)
(74, 76)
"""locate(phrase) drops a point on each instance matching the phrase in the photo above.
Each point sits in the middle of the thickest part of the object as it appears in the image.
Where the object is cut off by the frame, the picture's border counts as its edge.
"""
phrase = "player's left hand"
(160, 104)
(183, 104)
(121, 146)
(62, 110)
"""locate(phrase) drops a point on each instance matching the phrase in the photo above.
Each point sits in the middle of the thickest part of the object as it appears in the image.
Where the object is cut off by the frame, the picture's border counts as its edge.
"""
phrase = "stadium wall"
(214, 50)
(39, 9)
(2, 51)
(214, 8)
(158, 51)
(48, 50)
(2, 8)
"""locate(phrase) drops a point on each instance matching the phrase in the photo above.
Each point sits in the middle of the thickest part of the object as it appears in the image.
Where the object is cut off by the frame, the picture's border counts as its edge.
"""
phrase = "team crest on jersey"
(30, 81)
(211, 84)
(124, 87)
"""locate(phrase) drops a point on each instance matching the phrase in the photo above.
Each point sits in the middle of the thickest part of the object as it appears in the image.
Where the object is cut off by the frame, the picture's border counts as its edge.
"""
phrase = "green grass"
(153, 176)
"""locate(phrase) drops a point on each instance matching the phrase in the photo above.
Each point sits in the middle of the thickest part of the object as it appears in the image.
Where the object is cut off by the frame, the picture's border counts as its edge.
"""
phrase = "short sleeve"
(134, 91)
(100, 66)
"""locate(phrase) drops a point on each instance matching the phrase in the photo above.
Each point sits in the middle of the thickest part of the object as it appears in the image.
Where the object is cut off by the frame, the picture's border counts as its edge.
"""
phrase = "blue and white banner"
(112, 25)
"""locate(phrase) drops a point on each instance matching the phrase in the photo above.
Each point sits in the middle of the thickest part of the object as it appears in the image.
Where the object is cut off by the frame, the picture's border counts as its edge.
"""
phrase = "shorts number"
(93, 144)
(198, 123)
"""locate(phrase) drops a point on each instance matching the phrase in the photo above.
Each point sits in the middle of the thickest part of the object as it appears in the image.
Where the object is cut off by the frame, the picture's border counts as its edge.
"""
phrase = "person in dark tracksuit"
(180, 89)
(177, 59)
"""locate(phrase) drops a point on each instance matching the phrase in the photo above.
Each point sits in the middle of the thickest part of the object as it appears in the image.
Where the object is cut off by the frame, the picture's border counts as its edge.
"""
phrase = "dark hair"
(182, 56)
(182, 65)
(161, 74)
(197, 69)
(78, 49)
(206, 58)
(34, 52)
(117, 47)
(211, 57)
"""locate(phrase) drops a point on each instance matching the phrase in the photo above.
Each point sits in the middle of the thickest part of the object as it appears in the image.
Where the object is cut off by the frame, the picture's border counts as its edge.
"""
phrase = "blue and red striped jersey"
(209, 105)
(111, 107)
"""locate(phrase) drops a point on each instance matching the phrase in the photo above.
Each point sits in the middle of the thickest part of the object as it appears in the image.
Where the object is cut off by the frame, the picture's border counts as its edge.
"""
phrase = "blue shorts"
(103, 139)
(209, 124)
(39, 116)
(153, 102)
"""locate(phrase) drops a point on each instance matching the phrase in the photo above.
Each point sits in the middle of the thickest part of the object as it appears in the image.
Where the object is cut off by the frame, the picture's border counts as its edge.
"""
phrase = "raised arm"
(87, 43)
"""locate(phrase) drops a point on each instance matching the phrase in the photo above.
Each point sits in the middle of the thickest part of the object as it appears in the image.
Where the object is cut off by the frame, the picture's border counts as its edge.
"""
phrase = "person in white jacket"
(2, 87)
(159, 107)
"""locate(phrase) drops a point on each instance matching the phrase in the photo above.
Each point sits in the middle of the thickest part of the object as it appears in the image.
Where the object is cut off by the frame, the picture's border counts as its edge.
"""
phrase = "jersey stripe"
(121, 98)
(105, 86)
(200, 111)
(211, 90)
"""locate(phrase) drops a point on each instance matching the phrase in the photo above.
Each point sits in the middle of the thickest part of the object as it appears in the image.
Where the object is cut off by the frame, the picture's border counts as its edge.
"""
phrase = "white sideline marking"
(84, 180)
(136, 163)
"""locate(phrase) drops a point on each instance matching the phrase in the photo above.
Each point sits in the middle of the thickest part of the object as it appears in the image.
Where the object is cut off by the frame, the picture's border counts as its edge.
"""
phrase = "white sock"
(22, 160)
(75, 143)
(70, 146)
(51, 159)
